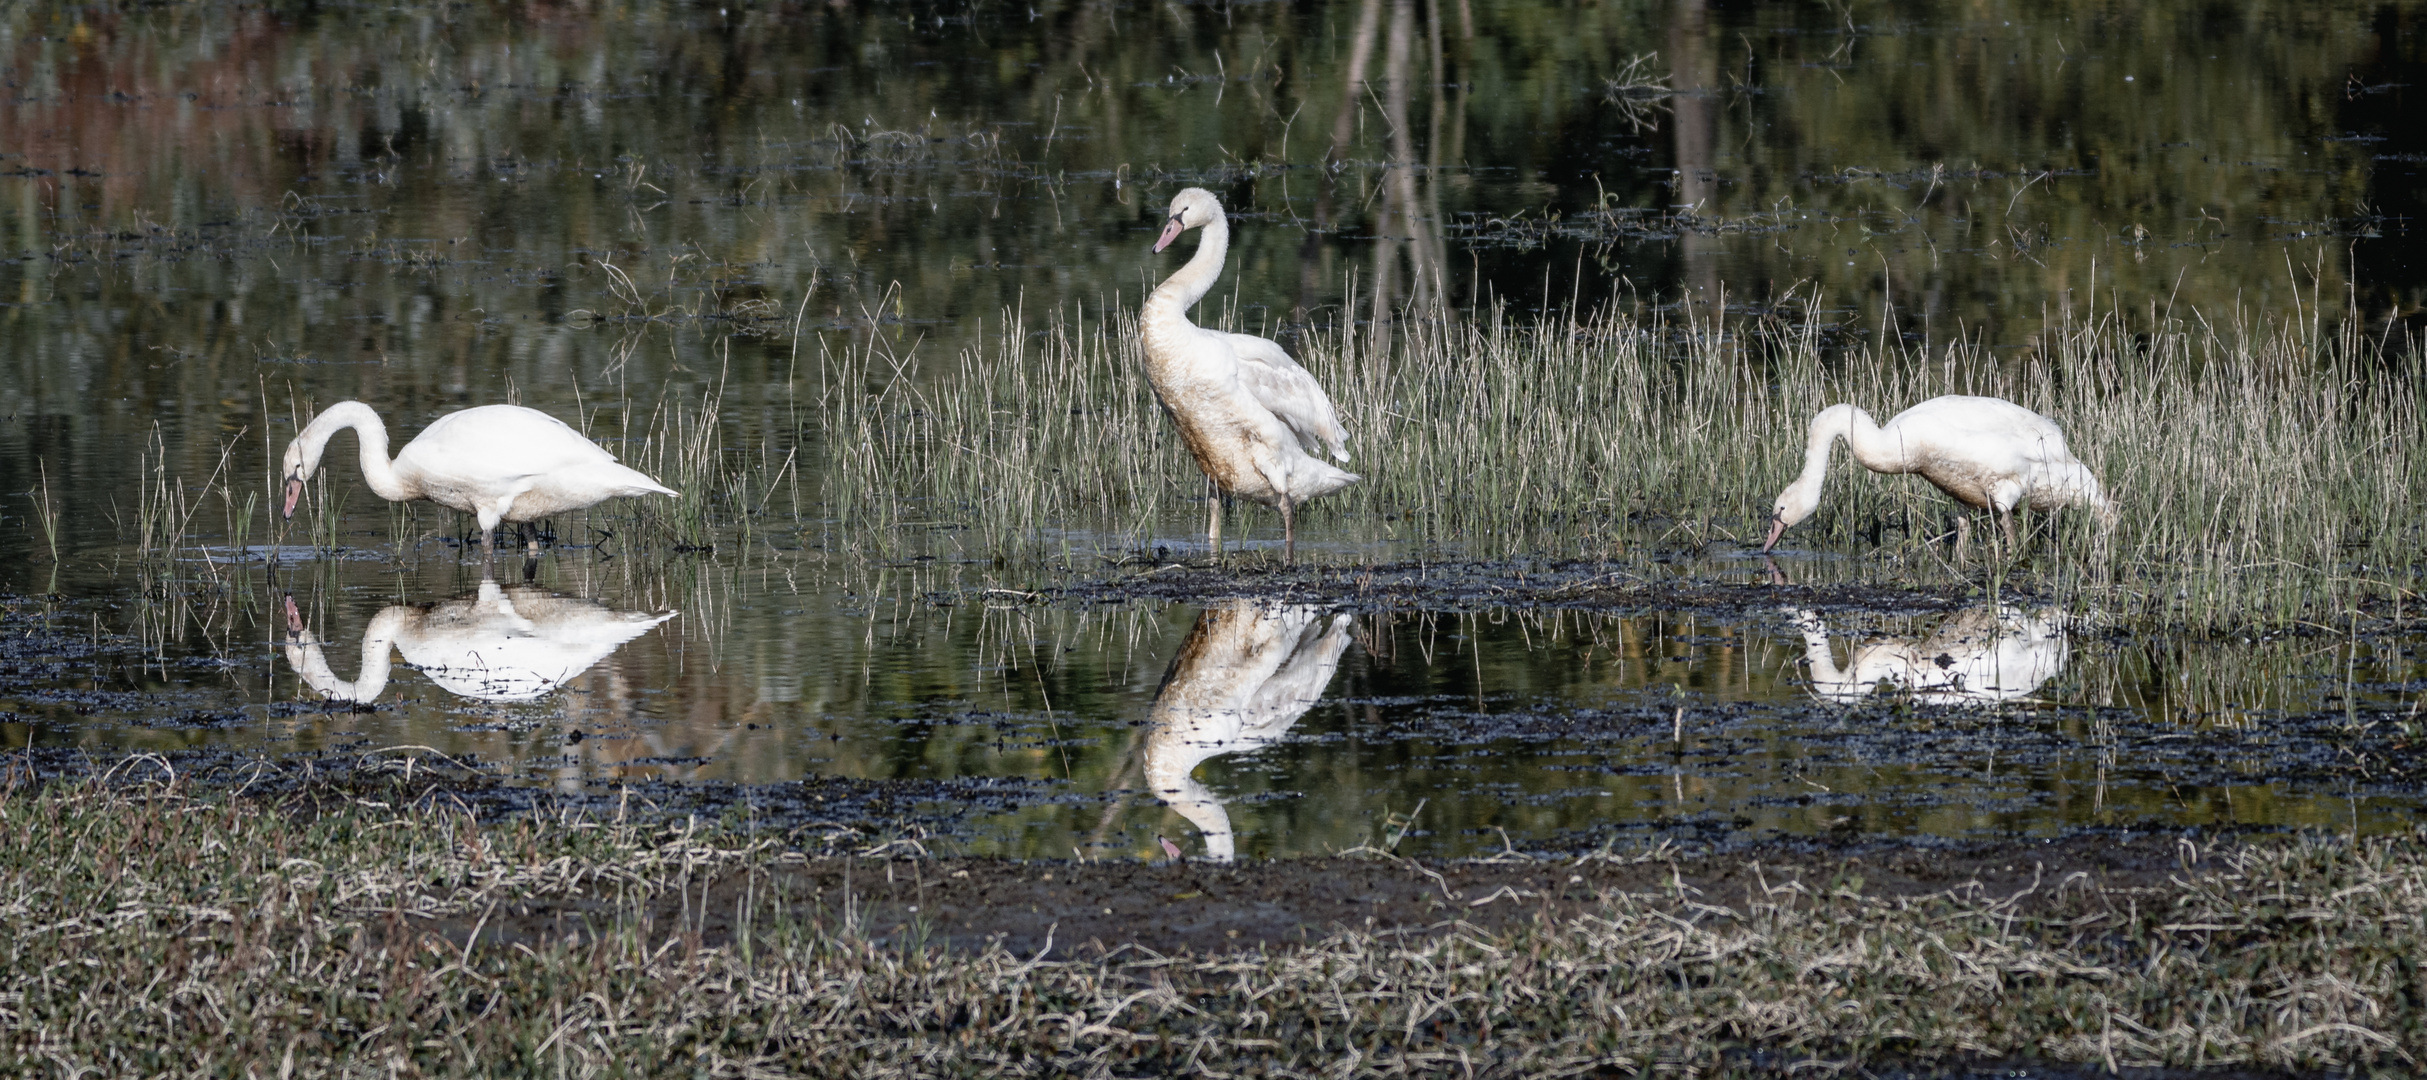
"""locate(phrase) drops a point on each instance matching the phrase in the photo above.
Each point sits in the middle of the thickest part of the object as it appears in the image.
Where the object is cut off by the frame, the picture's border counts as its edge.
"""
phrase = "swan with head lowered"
(1252, 418)
(1989, 453)
(498, 463)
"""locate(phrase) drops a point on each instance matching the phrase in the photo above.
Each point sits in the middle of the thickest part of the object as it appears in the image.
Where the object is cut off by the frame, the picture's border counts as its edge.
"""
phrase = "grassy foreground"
(169, 932)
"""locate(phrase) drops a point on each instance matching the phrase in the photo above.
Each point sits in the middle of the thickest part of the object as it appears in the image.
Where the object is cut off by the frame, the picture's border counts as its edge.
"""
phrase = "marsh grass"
(167, 931)
(684, 449)
(2265, 464)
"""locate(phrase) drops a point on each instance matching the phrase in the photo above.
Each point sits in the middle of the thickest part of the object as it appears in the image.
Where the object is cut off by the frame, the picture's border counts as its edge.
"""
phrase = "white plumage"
(496, 462)
(1989, 453)
(1251, 417)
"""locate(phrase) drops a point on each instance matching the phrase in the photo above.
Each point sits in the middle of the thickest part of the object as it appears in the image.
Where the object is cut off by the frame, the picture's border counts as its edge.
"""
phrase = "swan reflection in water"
(500, 644)
(1246, 674)
(1979, 656)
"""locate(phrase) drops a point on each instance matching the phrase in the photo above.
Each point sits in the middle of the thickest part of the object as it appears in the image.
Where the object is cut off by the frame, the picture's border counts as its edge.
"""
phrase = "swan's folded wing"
(495, 441)
(1292, 395)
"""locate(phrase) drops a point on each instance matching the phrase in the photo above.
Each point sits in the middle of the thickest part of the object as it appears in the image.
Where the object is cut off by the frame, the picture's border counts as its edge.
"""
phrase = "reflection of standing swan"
(1249, 414)
(496, 462)
(1989, 453)
(1243, 678)
(499, 645)
(1980, 655)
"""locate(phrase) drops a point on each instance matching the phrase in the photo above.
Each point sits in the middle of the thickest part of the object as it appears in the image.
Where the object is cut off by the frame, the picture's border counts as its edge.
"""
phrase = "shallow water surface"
(1251, 726)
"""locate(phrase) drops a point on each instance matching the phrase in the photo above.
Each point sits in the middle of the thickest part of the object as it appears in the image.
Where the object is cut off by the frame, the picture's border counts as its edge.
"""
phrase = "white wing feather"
(1288, 392)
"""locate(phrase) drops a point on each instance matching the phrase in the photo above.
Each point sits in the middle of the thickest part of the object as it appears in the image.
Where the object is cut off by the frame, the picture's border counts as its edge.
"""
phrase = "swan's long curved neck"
(377, 471)
(1877, 449)
(1182, 290)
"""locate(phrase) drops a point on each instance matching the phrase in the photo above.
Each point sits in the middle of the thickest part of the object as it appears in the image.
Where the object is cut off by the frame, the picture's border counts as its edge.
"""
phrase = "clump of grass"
(1058, 431)
(684, 450)
(162, 930)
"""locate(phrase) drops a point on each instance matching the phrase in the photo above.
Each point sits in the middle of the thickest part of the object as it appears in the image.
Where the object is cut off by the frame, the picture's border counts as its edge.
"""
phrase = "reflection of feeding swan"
(1979, 656)
(1989, 453)
(499, 645)
(1249, 414)
(1244, 677)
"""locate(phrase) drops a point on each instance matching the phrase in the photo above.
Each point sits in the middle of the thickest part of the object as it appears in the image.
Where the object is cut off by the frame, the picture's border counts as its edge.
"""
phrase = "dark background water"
(209, 206)
(213, 217)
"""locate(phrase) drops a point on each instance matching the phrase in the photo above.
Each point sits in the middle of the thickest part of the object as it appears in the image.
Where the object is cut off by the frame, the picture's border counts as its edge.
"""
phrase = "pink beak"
(1777, 526)
(294, 617)
(1171, 232)
(294, 495)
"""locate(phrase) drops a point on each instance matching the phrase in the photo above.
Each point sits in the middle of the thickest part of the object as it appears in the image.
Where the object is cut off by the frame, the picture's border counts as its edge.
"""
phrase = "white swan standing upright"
(1979, 656)
(498, 644)
(1246, 674)
(1248, 413)
(496, 462)
(1989, 453)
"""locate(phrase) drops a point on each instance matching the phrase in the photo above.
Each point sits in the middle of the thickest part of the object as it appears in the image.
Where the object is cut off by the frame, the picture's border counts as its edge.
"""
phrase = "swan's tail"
(1320, 479)
(630, 482)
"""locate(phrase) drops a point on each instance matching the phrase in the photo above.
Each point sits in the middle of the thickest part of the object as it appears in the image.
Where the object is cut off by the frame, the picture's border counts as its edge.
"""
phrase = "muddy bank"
(1470, 585)
(856, 858)
(1087, 909)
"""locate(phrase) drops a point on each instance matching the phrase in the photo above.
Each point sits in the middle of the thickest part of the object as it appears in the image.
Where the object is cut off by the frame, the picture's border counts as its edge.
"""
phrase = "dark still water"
(1241, 727)
(215, 219)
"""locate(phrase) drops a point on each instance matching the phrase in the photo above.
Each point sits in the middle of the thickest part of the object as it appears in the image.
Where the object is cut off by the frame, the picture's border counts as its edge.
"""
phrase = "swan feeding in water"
(1247, 672)
(1989, 453)
(1979, 656)
(497, 462)
(499, 644)
(1251, 417)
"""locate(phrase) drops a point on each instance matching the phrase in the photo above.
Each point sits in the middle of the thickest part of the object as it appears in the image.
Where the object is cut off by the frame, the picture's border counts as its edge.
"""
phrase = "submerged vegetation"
(162, 932)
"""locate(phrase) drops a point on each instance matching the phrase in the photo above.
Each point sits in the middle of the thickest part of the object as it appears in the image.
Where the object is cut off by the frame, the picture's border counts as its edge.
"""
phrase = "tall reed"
(46, 513)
